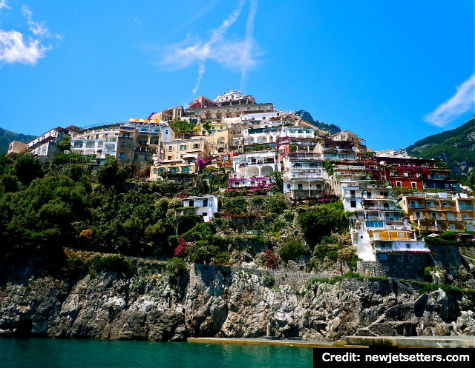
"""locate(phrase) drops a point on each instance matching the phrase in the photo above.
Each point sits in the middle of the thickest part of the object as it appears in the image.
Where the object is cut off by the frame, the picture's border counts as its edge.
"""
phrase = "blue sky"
(391, 71)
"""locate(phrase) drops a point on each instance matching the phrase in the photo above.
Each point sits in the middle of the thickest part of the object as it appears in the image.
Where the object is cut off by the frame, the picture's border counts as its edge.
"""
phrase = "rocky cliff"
(215, 301)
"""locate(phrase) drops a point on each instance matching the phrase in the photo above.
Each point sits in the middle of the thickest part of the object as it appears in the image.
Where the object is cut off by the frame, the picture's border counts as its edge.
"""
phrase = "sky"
(391, 71)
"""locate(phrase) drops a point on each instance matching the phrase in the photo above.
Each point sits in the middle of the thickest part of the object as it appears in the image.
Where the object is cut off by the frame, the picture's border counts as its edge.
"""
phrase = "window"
(413, 185)
(155, 171)
(122, 155)
(398, 184)
(452, 227)
(182, 147)
(169, 158)
(185, 169)
(408, 246)
(196, 146)
(300, 186)
(205, 202)
(288, 186)
(469, 228)
(166, 131)
(126, 135)
(155, 142)
(353, 204)
(205, 214)
(170, 148)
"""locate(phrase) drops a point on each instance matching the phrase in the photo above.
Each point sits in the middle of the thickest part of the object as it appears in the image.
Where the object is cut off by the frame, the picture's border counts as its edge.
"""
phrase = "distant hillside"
(305, 115)
(456, 147)
(6, 137)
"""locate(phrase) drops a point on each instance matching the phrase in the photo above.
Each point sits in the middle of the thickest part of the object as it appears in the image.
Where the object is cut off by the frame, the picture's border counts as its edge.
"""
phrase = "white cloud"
(458, 104)
(235, 55)
(13, 49)
(16, 47)
(137, 21)
(3, 5)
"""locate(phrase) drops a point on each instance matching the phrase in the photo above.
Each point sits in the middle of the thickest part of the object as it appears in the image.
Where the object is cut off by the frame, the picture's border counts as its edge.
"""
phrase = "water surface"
(55, 353)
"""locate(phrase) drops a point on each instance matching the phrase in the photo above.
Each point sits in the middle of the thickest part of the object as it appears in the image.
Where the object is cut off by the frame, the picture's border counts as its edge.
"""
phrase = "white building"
(255, 164)
(101, 142)
(45, 146)
(296, 132)
(304, 175)
(205, 206)
(230, 96)
(253, 136)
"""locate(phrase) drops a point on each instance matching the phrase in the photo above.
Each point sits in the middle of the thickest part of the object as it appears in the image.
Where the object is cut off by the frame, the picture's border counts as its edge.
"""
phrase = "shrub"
(75, 268)
(176, 268)
(323, 220)
(276, 203)
(293, 248)
(268, 281)
(272, 260)
(235, 206)
(117, 264)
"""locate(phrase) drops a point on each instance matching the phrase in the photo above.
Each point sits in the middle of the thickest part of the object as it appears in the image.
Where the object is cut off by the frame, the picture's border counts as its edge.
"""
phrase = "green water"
(98, 353)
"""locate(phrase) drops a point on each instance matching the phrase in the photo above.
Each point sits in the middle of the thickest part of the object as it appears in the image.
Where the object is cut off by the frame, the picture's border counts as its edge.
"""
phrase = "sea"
(75, 353)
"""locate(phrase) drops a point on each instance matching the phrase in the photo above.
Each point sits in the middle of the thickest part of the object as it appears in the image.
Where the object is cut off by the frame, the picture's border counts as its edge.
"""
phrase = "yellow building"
(179, 156)
(438, 212)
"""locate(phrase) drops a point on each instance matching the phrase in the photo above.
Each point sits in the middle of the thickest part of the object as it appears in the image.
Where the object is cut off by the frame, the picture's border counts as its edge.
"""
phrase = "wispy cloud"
(37, 28)
(461, 102)
(137, 21)
(3, 5)
(16, 47)
(235, 55)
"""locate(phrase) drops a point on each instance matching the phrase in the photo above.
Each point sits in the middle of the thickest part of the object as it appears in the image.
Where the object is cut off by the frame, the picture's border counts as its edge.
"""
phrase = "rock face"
(220, 302)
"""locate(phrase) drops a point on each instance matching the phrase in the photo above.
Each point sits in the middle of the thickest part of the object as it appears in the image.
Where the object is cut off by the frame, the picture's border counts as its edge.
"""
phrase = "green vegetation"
(116, 264)
(293, 248)
(182, 127)
(322, 220)
(331, 128)
(455, 147)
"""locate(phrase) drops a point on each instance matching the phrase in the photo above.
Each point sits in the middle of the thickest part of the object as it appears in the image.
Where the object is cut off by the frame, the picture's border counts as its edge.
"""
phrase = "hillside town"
(395, 201)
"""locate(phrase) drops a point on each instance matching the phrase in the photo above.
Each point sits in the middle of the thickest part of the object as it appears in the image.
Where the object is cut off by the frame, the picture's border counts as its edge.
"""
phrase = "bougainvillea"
(180, 250)
(272, 259)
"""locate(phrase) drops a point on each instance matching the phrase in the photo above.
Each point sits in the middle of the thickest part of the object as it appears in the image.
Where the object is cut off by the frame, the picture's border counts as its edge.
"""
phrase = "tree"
(293, 248)
(27, 168)
(65, 143)
(322, 220)
(277, 181)
(201, 187)
(207, 126)
(110, 175)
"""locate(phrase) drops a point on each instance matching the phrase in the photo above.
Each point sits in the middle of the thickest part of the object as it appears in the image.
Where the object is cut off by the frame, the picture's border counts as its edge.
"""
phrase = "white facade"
(99, 142)
(297, 132)
(205, 206)
(255, 164)
(409, 246)
(261, 116)
(260, 135)
(230, 96)
(101, 148)
(304, 175)
(45, 145)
